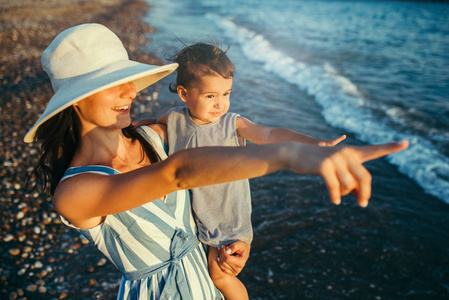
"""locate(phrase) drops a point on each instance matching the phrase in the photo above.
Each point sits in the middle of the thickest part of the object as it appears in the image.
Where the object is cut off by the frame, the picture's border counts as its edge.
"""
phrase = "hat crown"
(81, 50)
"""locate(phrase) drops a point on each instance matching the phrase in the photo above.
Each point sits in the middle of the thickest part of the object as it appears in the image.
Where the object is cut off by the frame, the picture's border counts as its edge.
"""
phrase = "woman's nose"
(128, 90)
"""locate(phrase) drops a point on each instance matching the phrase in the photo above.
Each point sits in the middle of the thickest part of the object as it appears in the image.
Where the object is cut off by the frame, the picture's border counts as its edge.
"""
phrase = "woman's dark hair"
(199, 60)
(60, 137)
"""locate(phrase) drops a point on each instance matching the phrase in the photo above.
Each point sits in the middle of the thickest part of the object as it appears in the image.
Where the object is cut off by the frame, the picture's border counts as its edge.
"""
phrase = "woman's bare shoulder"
(160, 129)
(74, 198)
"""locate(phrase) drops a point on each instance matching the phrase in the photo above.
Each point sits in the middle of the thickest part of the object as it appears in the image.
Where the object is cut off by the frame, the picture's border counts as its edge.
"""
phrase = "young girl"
(204, 82)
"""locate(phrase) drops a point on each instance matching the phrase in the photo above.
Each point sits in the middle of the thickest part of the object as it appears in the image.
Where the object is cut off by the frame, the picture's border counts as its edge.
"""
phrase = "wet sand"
(39, 257)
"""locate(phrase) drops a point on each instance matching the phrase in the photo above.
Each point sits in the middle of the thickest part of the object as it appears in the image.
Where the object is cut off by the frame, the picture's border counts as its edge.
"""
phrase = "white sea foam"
(344, 106)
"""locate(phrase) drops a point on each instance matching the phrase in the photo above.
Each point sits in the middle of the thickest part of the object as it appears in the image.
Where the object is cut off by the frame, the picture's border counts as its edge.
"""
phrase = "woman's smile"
(121, 109)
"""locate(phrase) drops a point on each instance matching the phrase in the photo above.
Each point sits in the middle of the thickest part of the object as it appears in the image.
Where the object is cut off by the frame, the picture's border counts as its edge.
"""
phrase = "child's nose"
(219, 102)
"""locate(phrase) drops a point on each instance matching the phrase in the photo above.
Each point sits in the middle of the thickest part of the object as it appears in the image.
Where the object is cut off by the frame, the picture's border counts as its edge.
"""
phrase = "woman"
(112, 182)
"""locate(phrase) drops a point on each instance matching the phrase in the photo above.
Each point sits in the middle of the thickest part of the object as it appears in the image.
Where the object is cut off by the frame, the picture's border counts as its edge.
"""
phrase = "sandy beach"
(38, 254)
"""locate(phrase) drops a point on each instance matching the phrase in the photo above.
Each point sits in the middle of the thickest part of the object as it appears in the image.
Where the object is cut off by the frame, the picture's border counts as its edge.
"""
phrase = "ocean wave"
(345, 106)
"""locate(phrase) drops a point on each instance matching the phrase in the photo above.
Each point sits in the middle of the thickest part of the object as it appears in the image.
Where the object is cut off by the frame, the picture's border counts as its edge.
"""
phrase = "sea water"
(377, 71)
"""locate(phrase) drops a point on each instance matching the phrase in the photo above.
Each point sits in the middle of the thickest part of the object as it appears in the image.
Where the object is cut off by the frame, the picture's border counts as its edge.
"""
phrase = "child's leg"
(230, 286)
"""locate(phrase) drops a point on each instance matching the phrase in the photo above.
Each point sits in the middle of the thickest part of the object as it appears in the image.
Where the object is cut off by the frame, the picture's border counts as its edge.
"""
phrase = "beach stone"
(9, 237)
(20, 215)
(63, 295)
(40, 282)
(42, 289)
(46, 219)
(84, 241)
(38, 265)
(75, 246)
(36, 230)
(102, 262)
(21, 272)
(13, 296)
(32, 288)
(14, 251)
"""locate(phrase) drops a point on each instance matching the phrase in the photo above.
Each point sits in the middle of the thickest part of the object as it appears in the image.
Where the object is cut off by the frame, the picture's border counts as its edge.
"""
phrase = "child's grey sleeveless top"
(222, 211)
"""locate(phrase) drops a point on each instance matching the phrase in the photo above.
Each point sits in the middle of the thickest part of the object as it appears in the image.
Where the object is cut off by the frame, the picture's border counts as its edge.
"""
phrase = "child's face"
(207, 98)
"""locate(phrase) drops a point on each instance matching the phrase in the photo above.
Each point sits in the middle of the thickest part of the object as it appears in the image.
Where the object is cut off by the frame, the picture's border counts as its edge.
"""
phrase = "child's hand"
(331, 143)
(233, 257)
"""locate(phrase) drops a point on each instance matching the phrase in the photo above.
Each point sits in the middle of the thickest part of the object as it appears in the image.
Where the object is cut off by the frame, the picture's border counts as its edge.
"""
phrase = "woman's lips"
(121, 108)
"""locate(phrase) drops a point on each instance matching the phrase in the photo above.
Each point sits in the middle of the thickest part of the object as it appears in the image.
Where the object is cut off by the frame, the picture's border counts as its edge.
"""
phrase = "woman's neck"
(108, 148)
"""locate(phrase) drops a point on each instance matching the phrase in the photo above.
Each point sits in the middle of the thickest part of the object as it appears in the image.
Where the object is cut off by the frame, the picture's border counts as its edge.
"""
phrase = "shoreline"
(41, 258)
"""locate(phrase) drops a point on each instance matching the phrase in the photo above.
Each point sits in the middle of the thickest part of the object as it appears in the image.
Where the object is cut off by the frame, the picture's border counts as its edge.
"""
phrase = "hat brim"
(142, 75)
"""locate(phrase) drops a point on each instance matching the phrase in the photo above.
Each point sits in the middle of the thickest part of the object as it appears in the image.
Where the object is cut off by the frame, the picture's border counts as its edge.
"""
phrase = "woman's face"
(109, 108)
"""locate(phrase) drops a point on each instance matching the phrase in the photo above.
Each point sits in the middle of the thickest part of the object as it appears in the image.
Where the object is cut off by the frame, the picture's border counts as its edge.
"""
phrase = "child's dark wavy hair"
(59, 137)
(199, 60)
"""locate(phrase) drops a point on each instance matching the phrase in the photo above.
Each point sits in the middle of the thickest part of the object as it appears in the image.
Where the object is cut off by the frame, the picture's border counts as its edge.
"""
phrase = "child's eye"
(227, 94)
(210, 96)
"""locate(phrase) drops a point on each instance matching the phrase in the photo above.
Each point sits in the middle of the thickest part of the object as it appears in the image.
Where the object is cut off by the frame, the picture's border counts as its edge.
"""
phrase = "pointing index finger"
(375, 151)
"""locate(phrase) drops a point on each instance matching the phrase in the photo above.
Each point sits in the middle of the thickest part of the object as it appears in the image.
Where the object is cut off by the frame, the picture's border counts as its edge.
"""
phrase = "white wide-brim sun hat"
(87, 59)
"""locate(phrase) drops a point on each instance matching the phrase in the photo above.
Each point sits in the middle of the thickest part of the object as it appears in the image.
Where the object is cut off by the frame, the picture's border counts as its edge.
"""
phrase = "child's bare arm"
(162, 119)
(258, 134)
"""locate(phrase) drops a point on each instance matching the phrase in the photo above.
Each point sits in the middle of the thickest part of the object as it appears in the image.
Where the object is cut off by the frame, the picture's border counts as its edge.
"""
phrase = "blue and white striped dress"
(154, 246)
